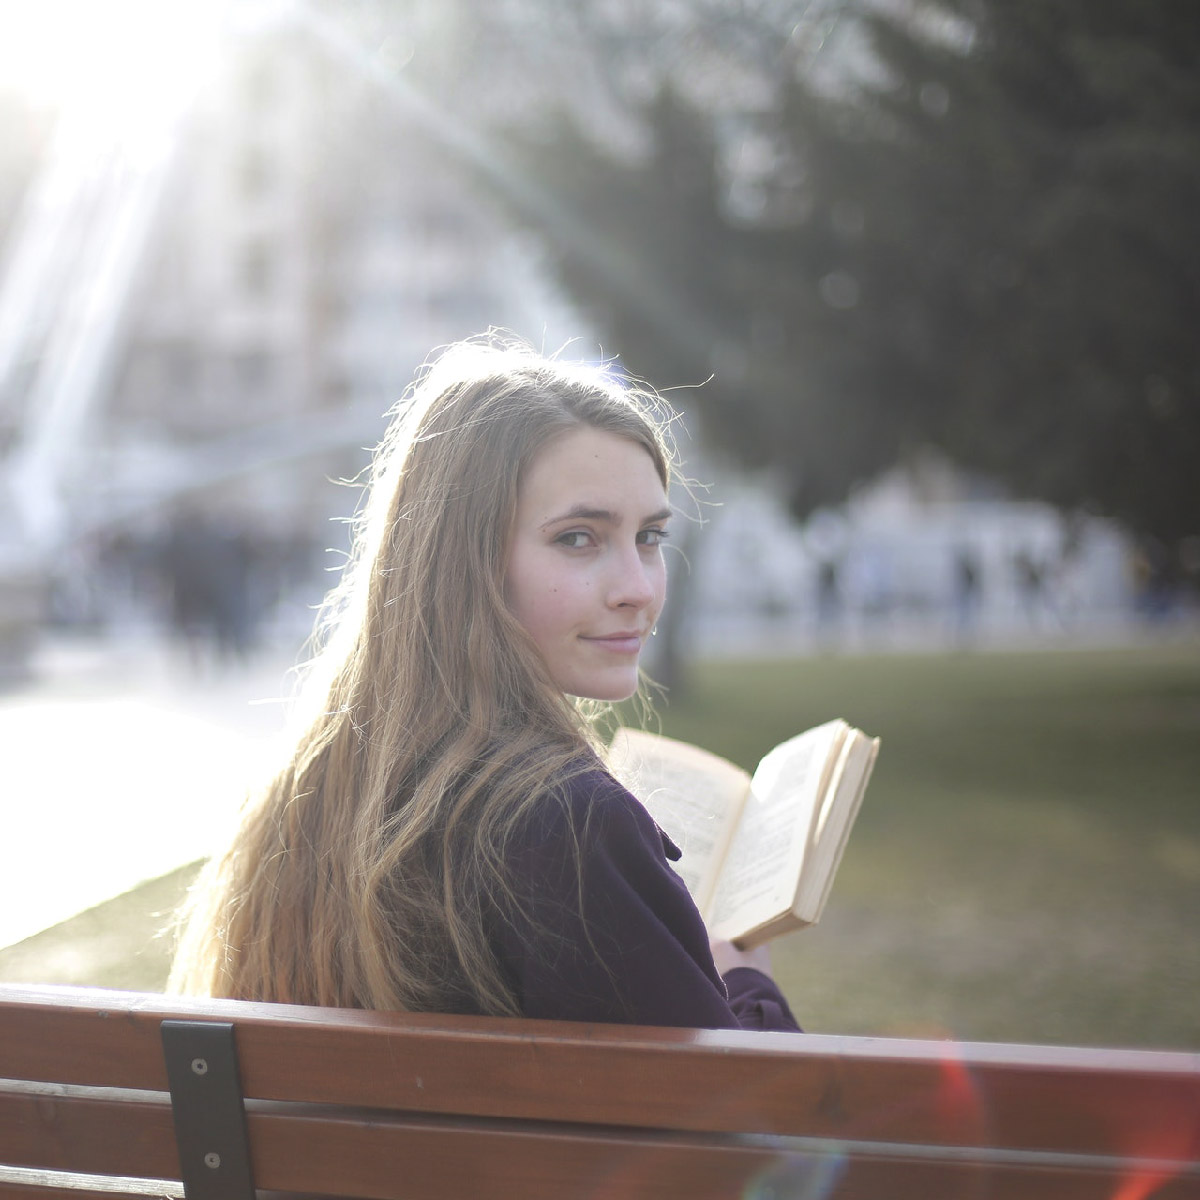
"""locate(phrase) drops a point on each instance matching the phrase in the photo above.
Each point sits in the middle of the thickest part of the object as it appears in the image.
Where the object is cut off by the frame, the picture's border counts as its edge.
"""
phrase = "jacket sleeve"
(605, 930)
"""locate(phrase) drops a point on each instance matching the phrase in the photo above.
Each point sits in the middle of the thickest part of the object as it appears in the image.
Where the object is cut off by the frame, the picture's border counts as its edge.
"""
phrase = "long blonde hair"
(360, 875)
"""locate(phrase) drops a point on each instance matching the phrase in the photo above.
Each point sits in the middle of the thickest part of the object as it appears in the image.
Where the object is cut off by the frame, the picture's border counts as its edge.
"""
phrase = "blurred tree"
(986, 243)
(1027, 237)
(966, 224)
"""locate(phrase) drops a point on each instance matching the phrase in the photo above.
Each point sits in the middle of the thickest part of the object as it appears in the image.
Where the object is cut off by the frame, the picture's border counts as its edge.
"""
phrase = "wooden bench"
(121, 1091)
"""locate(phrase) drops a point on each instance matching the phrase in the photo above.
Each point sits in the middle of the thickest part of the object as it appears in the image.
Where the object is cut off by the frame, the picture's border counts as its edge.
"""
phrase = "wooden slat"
(434, 1158)
(1085, 1101)
(88, 1134)
(430, 1159)
(38, 1185)
(807, 1089)
(20, 1191)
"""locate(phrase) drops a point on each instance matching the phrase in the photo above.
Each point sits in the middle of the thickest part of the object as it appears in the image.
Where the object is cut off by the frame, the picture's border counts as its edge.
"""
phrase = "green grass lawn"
(1026, 866)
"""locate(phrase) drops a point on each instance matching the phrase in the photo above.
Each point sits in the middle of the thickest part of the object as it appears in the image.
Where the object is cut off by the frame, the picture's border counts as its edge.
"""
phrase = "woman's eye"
(652, 537)
(575, 539)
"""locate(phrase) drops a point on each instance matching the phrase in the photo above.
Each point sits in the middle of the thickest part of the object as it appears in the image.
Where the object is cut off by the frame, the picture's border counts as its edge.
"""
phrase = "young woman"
(444, 835)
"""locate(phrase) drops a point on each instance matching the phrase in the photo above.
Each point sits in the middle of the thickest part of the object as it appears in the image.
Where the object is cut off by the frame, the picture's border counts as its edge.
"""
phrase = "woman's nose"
(634, 581)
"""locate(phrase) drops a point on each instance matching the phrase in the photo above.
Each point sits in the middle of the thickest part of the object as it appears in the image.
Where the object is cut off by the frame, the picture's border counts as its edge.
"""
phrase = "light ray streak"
(660, 307)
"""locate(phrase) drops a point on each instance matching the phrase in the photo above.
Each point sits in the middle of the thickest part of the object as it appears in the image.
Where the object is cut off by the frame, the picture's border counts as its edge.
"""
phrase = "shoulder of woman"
(593, 797)
(592, 806)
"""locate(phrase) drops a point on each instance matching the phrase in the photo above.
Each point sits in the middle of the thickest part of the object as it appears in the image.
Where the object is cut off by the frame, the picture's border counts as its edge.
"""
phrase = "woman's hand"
(727, 956)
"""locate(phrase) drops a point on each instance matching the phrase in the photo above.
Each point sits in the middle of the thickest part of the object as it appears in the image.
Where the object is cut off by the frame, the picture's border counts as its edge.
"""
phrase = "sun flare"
(119, 66)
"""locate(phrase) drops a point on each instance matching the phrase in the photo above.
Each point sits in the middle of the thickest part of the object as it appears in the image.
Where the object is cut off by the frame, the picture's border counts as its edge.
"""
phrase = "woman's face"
(585, 574)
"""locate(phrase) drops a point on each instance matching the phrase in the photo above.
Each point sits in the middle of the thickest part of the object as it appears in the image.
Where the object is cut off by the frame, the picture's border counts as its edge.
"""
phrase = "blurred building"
(924, 556)
(215, 326)
(313, 249)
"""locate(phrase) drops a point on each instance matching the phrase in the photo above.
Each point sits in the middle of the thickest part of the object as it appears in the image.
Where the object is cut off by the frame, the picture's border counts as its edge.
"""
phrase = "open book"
(759, 854)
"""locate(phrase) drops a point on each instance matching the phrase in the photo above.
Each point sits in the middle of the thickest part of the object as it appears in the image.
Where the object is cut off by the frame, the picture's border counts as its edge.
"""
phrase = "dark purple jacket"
(608, 931)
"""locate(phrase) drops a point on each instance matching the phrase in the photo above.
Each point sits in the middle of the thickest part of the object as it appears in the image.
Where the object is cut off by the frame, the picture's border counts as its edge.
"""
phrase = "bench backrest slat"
(88, 1134)
(78, 1189)
(410, 1158)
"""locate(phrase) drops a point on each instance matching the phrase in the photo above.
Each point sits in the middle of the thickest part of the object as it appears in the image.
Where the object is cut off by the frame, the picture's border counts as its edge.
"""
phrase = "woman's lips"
(618, 643)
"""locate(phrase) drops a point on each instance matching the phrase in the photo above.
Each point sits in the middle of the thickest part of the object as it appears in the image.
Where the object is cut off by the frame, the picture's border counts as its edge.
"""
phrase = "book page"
(765, 857)
(831, 830)
(694, 796)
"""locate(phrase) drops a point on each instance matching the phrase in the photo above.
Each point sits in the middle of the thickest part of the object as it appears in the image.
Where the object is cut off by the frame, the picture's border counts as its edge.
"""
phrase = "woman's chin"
(610, 690)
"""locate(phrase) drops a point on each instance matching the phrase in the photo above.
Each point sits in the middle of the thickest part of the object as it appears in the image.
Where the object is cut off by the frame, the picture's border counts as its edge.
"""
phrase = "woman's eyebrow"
(582, 512)
(585, 512)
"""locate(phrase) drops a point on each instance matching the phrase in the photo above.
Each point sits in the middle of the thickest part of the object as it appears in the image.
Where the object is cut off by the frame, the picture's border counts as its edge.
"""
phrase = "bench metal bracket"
(210, 1116)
